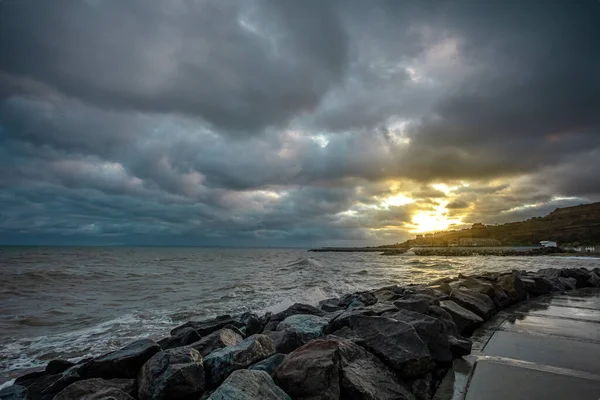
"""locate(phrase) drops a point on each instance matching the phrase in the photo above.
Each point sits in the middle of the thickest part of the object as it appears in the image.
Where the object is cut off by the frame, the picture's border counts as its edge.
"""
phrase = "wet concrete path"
(547, 348)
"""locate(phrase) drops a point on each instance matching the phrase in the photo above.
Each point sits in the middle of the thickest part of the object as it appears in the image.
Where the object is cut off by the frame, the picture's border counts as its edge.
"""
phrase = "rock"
(548, 273)
(183, 337)
(394, 341)
(537, 286)
(285, 341)
(297, 308)
(216, 340)
(342, 319)
(345, 333)
(220, 363)
(568, 283)
(175, 373)
(459, 346)
(444, 317)
(513, 286)
(99, 389)
(580, 274)
(14, 392)
(36, 383)
(58, 366)
(473, 301)
(123, 363)
(366, 298)
(386, 295)
(420, 292)
(431, 331)
(252, 323)
(422, 388)
(249, 385)
(466, 321)
(488, 288)
(337, 369)
(329, 305)
(269, 364)
(416, 304)
(594, 280)
(209, 326)
(306, 327)
(66, 378)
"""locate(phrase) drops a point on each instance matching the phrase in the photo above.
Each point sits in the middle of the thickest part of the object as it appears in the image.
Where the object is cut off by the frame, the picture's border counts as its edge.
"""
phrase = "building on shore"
(587, 249)
(471, 242)
(548, 243)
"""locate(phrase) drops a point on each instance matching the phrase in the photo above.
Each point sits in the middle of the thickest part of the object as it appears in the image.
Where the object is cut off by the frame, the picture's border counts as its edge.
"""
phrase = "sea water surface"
(79, 302)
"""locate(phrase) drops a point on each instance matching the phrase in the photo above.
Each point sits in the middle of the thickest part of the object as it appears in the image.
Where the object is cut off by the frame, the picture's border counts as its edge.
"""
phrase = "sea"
(78, 302)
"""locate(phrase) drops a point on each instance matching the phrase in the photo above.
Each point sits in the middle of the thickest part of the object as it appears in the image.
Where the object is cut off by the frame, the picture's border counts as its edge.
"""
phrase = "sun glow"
(432, 221)
(397, 200)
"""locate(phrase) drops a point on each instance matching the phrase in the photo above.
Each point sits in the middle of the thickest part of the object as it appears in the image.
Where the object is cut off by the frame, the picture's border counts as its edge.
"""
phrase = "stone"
(306, 327)
(252, 323)
(268, 364)
(207, 327)
(459, 346)
(182, 337)
(537, 286)
(386, 295)
(285, 341)
(473, 301)
(422, 388)
(568, 283)
(220, 363)
(366, 298)
(249, 385)
(431, 331)
(396, 342)
(58, 366)
(175, 373)
(14, 392)
(329, 305)
(419, 291)
(216, 340)
(123, 363)
(466, 321)
(98, 389)
(580, 274)
(513, 286)
(444, 317)
(594, 280)
(342, 319)
(297, 308)
(36, 382)
(489, 288)
(416, 304)
(337, 369)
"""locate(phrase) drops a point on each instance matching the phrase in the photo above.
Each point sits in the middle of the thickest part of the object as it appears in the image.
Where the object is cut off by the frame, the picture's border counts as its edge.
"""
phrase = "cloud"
(280, 123)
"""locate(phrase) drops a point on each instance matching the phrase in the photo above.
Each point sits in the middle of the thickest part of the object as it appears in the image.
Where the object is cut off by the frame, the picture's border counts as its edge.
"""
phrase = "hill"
(578, 225)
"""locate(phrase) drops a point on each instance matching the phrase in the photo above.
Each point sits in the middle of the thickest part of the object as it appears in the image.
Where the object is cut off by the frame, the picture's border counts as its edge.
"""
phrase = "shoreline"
(424, 328)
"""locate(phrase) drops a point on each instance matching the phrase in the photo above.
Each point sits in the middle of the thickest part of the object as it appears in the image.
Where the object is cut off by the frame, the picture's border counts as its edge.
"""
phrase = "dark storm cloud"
(238, 65)
(290, 122)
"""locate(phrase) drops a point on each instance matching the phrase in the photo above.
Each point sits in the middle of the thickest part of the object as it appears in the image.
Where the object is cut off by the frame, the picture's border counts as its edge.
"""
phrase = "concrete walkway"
(547, 348)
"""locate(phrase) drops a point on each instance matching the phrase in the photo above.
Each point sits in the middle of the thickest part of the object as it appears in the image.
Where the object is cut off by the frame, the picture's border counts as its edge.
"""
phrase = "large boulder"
(249, 385)
(207, 327)
(99, 389)
(358, 299)
(537, 285)
(306, 327)
(580, 274)
(431, 330)
(220, 363)
(216, 340)
(568, 283)
(342, 319)
(252, 322)
(172, 374)
(415, 303)
(297, 308)
(58, 366)
(513, 286)
(337, 369)
(14, 392)
(123, 363)
(594, 280)
(182, 337)
(284, 341)
(487, 287)
(466, 321)
(473, 301)
(330, 305)
(268, 364)
(396, 342)
(37, 383)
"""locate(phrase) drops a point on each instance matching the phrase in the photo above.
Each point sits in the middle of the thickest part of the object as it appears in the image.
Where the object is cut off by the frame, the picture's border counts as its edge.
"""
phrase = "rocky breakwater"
(390, 343)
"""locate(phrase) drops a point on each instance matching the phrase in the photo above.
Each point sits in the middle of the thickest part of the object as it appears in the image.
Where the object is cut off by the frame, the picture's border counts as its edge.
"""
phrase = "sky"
(292, 123)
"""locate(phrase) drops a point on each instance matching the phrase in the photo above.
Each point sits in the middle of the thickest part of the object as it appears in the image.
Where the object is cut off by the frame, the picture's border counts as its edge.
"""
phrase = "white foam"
(7, 384)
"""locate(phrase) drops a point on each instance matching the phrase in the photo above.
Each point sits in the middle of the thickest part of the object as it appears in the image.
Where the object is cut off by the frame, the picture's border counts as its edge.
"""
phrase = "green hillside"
(579, 225)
